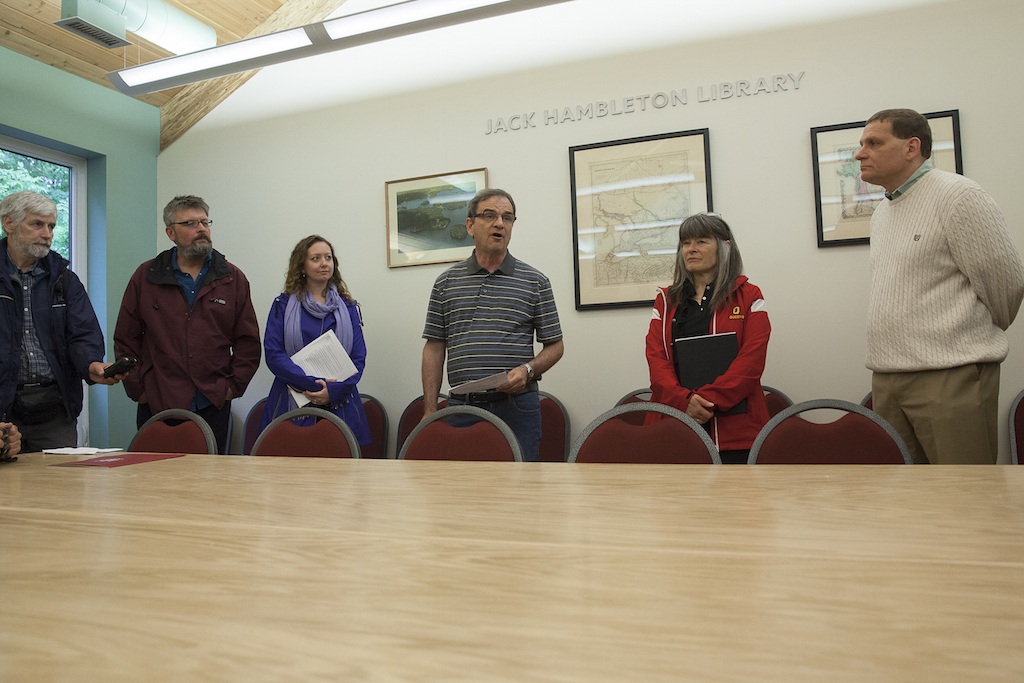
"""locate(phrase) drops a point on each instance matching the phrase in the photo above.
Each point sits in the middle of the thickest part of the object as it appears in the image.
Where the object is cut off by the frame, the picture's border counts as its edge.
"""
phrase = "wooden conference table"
(220, 568)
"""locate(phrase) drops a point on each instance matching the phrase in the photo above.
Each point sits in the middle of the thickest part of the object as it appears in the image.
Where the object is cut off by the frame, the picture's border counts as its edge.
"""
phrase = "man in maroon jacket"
(188, 318)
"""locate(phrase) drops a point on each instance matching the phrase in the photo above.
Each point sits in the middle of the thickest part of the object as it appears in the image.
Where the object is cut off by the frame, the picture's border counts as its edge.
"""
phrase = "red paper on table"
(119, 459)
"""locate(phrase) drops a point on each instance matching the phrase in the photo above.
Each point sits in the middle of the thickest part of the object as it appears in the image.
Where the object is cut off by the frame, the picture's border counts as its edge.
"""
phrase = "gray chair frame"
(180, 414)
(353, 444)
(864, 401)
(1014, 453)
(835, 404)
(568, 423)
(635, 392)
(650, 407)
(787, 399)
(506, 431)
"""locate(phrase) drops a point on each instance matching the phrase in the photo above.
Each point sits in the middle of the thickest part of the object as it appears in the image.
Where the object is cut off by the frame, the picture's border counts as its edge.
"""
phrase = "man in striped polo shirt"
(483, 314)
(946, 282)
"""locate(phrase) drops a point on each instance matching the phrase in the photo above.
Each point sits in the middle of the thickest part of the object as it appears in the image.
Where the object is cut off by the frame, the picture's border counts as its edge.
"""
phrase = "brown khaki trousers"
(946, 417)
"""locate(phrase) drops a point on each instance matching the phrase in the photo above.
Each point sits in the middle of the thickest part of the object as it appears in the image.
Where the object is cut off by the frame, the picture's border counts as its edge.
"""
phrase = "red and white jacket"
(745, 314)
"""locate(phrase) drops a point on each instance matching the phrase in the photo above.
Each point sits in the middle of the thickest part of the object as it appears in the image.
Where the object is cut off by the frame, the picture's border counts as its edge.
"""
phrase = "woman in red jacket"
(709, 295)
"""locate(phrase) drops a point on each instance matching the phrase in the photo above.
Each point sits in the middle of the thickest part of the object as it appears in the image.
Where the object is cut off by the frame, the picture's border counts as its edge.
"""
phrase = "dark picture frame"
(843, 203)
(426, 217)
(628, 198)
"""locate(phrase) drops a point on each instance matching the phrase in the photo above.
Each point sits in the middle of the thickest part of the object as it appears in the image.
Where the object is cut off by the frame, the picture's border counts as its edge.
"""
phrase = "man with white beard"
(188, 318)
(50, 339)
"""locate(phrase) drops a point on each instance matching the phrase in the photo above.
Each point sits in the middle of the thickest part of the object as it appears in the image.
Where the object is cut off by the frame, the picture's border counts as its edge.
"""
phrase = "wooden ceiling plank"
(59, 41)
(195, 101)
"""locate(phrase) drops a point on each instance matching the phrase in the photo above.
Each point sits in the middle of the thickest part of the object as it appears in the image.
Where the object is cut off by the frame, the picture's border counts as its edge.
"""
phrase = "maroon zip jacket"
(214, 347)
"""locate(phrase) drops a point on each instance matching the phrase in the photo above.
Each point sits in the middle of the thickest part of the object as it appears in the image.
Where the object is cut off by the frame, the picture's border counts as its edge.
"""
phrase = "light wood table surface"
(221, 568)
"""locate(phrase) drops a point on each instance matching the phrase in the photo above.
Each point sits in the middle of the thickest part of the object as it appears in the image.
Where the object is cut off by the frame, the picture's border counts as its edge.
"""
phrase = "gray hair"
(19, 204)
(186, 201)
(487, 194)
(730, 263)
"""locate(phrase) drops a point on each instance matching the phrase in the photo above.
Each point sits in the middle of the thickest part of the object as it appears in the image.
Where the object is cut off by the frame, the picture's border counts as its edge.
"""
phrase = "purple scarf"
(293, 323)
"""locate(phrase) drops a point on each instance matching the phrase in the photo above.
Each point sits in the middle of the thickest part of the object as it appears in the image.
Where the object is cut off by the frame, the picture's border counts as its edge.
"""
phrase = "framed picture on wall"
(843, 202)
(426, 217)
(628, 199)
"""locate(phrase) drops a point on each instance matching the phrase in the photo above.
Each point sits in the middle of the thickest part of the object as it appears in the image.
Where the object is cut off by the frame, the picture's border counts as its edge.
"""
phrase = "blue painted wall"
(120, 137)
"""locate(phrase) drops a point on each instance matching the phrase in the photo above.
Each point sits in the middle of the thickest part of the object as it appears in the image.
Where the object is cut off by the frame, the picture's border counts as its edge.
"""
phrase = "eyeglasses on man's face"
(493, 216)
(193, 224)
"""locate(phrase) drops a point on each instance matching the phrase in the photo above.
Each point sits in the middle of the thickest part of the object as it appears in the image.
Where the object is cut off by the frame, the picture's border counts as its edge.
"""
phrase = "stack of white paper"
(323, 357)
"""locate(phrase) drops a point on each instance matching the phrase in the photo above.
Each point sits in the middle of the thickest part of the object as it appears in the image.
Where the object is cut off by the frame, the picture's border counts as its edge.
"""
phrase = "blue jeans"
(521, 412)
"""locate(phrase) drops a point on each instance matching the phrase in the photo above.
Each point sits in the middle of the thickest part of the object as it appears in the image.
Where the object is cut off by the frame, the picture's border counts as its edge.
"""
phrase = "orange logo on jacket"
(736, 315)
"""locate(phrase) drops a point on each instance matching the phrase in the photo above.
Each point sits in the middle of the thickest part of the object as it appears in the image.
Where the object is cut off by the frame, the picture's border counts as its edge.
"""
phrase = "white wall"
(274, 181)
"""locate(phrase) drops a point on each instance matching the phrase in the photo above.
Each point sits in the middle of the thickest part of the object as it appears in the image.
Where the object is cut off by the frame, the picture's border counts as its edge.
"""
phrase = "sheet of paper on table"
(323, 357)
(81, 450)
(484, 384)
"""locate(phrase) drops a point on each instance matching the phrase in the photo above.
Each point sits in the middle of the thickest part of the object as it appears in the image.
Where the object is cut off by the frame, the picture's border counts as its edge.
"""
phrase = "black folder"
(701, 360)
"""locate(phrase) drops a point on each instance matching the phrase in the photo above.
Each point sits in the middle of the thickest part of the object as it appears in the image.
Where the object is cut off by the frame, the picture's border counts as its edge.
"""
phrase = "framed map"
(843, 202)
(426, 217)
(628, 199)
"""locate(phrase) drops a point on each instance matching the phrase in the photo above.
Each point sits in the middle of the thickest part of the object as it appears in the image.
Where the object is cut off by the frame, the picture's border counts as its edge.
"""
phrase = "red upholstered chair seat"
(161, 437)
(665, 441)
(859, 437)
(441, 441)
(673, 439)
(320, 440)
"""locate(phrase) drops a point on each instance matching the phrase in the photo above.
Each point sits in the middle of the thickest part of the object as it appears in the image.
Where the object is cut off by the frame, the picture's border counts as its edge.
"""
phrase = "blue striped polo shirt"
(487, 320)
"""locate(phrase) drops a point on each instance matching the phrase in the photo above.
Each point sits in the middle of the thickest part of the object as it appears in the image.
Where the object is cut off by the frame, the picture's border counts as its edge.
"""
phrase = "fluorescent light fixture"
(393, 21)
(398, 15)
(230, 53)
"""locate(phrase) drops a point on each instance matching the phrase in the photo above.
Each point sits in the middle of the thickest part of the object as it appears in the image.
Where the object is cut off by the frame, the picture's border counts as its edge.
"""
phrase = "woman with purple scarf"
(315, 300)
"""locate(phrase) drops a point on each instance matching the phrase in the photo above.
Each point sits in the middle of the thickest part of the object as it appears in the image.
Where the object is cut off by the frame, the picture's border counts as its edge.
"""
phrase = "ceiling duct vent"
(105, 22)
(94, 22)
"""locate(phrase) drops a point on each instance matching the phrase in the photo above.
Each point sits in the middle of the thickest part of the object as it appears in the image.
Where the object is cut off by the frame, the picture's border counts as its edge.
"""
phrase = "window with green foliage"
(20, 172)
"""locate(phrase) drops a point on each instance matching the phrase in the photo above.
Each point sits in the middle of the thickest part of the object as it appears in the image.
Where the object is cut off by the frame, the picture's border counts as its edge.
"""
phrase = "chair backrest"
(435, 439)
(377, 422)
(776, 400)
(1016, 428)
(412, 415)
(635, 396)
(555, 429)
(189, 434)
(866, 401)
(252, 426)
(675, 439)
(328, 437)
(858, 438)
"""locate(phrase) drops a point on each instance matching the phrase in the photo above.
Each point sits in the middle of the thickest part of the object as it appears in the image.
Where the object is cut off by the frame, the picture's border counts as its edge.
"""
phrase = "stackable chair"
(412, 415)
(251, 430)
(858, 438)
(377, 422)
(1016, 424)
(675, 439)
(635, 396)
(174, 431)
(328, 437)
(555, 429)
(435, 439)
(866, 401)
(776, 400)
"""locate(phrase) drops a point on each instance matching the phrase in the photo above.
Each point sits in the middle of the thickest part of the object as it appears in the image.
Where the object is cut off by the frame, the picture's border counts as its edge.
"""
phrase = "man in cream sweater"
(946, 282)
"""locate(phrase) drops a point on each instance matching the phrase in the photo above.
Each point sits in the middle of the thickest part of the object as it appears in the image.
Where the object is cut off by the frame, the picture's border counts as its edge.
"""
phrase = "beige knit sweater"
(946, 279)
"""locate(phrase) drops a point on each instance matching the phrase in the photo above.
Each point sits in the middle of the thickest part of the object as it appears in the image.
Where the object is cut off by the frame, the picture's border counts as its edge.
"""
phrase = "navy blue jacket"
(65, 323)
